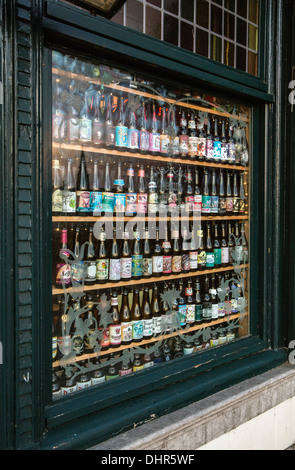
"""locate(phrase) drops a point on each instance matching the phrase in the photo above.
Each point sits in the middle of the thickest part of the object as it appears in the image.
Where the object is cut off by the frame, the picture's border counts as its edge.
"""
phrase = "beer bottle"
(90, 261)
(224, 145)
(147, 315)
(202, 257)
(95, 193)
(206, 198)
(115, 260)
(153, 198)
(221, 306)
(110, 132)
(172, 195)
(209, 143)
(189, 193)
(229, 197)
(244, 244)
(182, 305)
(157, 257)
(185, 260)
(147, 358)
(164, 137)
(198, 194)
(242, 206)
(236, 198)
(167, 255)
(209, 249)
(137, 258)
(162, 192)
(214, 197)
(214, 300)
(216, 144)
(198, 303)
(176, 255)
(126, 259)
(231, 243)
(90, 336)
(207, 303)
(69, 191)
(63, 269)
(131, 196)
(98, 125)
(147, 268)
(102, 262)
(201, 153)
(217, 247)
(183, 138)
(137, 363)
(112, 370)
(190, 304)
(156, 312)
(154, 134)
(192, 139)
(121, 131)
(77, 265)
(193, 252)
(133, 134)
(175, 139)
(222, 198)
(144, 135)
(180, 190)
(115, 326)
(224, 248)
(126, 321)
(108, 197)
(142, 197)
(57, 198)
(136, 317)
(231, 147)
(83, 188)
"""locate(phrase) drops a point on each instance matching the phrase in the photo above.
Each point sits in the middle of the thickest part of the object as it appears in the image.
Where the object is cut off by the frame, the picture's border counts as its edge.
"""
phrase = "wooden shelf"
(134, 91)
(133, 282)
(192, 329)
(119, 218)
(118, 153)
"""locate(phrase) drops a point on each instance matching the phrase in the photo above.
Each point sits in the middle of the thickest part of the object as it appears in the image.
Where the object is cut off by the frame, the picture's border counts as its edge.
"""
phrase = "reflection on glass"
(229, 26)
(253, 38)
(134, 15)
(153, 22)
(229, 53)
(253, 11)
(216, 48)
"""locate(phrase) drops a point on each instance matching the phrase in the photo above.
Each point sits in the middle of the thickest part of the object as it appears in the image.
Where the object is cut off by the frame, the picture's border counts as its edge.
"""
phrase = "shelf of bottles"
(150, 223)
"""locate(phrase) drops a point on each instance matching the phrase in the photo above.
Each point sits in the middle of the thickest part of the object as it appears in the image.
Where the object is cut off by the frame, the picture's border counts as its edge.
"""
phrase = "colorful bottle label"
(110, 136)
(201, 152)
(83, 201)
(176, 264)
(126, 265)
(190, 313)
(102, 269)
(209, 149)
(115, 270)
(217, 150)
(148, 327)
(202, 258)
(142, 203)
(147, 267)
(155, 142)
(85, 130)
(69, 201)
(185, 264)
(133, 139)
(225, 255)
(63, 274)
(126, 332)
(236, 205)
(198, 313)
(197, 203)
(193, 145)
(210, 260)
(157, 325)
(222, 205)
(121, 136)
(57, 201)
(193, 259)
(157, 264)
(224, 152)
(95, 201)
(167, 264)
(137, 261)
(58, 127)
(214, 204)
(97, 132)
(164, 143)
(115, 335)
(217, 256)
(183, 144)
(120, 202)
(131, 203)
(144, 141)
(137, 329)
(231, 152)
(189, 203)
(182, 314)
(78, 271)
(229, 204)
(206, 204)
(108, 202)
(105, 337)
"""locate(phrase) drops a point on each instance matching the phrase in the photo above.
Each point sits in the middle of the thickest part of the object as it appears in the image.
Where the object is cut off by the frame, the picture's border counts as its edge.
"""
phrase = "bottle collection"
(215, 245)
(111, 122)
(207, 191)
(144, 315)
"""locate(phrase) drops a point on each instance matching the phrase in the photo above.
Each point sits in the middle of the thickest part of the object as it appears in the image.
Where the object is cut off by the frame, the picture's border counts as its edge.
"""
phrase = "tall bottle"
(147, 268)
(126, 321)
(57, 197)
(242, 203)
(142, 196)
(137, 258)
(95, 193)
(231, 243)
(174, 140)
(136, 317)
(115, 325)
(115, 260)
(102, 262)
(214, 299)
(198, 194)
(119, 196)
(110, 131)
(217, 247)
(236, 197)
(126, 259)
(185, 259)
(183, 138)
(206, 194)
(83, 188)
(231, 147)
(182, 305)
(209, 249)
(131, 195)
(229, 196)
(164, 137)
(190, 304)
(162, 192)
(156, 312)
(90, 261)
(198, 303)
(167, 255)
(189, 192)
(147, 315)
(154, 134)
(193, 138)
(78, 269)
(108, 197)
(153, 197)
(98, 125)
(69, 191)
(214, 195)
(222, 198)
(224, 145)
(133, 134)
(209, 143)
(201, 153)
(202, 257)
(63, 269)
(121, 129)
(207, 303)
(172, 193)
(244, 244)
(144, 135)
(157, 257)
(216, 143)
(224, 247)
(180, 191)
(193, 252)
(176, 254)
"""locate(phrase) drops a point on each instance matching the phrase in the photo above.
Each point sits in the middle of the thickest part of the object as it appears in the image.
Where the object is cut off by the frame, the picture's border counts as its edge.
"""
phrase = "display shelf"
(119, 218)
(159, 158)
(170, 277)
(142, 343)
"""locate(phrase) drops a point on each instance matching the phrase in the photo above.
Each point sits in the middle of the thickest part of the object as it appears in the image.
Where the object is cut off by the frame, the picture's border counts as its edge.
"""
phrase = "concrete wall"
(257, 414)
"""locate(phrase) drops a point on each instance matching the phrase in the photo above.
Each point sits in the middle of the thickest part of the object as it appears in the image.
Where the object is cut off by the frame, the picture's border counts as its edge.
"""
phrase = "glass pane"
(171, 29)
(253, 11)
(202, 42)
(216, 19)
(150, 223)
(229, 26)
(242, 32)
(241, 59)
(187, 9)
(134, 15)
(153, 22)
(187, 36)
(252, 63)
(230, 5)
(216, 48)
(156, 3)
(202, 13)
(253, 38)
(242, 6)
(171, 6)
(229, 53)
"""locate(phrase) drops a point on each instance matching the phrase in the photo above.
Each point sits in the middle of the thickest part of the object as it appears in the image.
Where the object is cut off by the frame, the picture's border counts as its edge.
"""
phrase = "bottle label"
(115, 270)
(167, 264)
(108, 202)
(202, 258)
(231, 152)
(85, 130)
(57, 201)
(176, 264)
(97, 380)
(63, 274)
(72, 129)
(189, 203)
(83, 201)
(188, 350)
(133, 139)
(217, 256)
(155, 142)
(201, 147)
(137, 261)
(121, 138)
(120, 202)
(209, 149)
(125, 372)
(222, 205)
(136, 368)
(95, 201)
(242, 207)
(193, 145)
(131, 202)
(198, 313)
(157, 264)
(182, 314)
(229, 204)
(78, 271)
(148, 327)
(102, 269)
(236, 205)
(164, 143)
(214, 311)
(137, 329)
(157, 325)
(225, 255)
(68, 389)
(69, 201)
(175, 146)
(97, 132)
(221, 310)
(58, 127)
(210, 260)
(110, 138)
(224, 152)
(105, 338)
(142, 202)
(183, 144)
(190, 313)
(144, 141)
(78, 344)
(185, 264)
(115, 335)
(90, 270)
(217, 150)
(206, 204)
(207, 311)
(214, 204)
(126, 332)
(126, 264)
(147, 267)
(90, 339)
(193, 259)
(197, 203)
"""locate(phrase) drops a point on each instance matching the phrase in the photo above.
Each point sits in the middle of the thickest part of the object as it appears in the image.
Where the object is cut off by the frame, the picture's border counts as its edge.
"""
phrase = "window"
(150, 219)
(225, 30)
